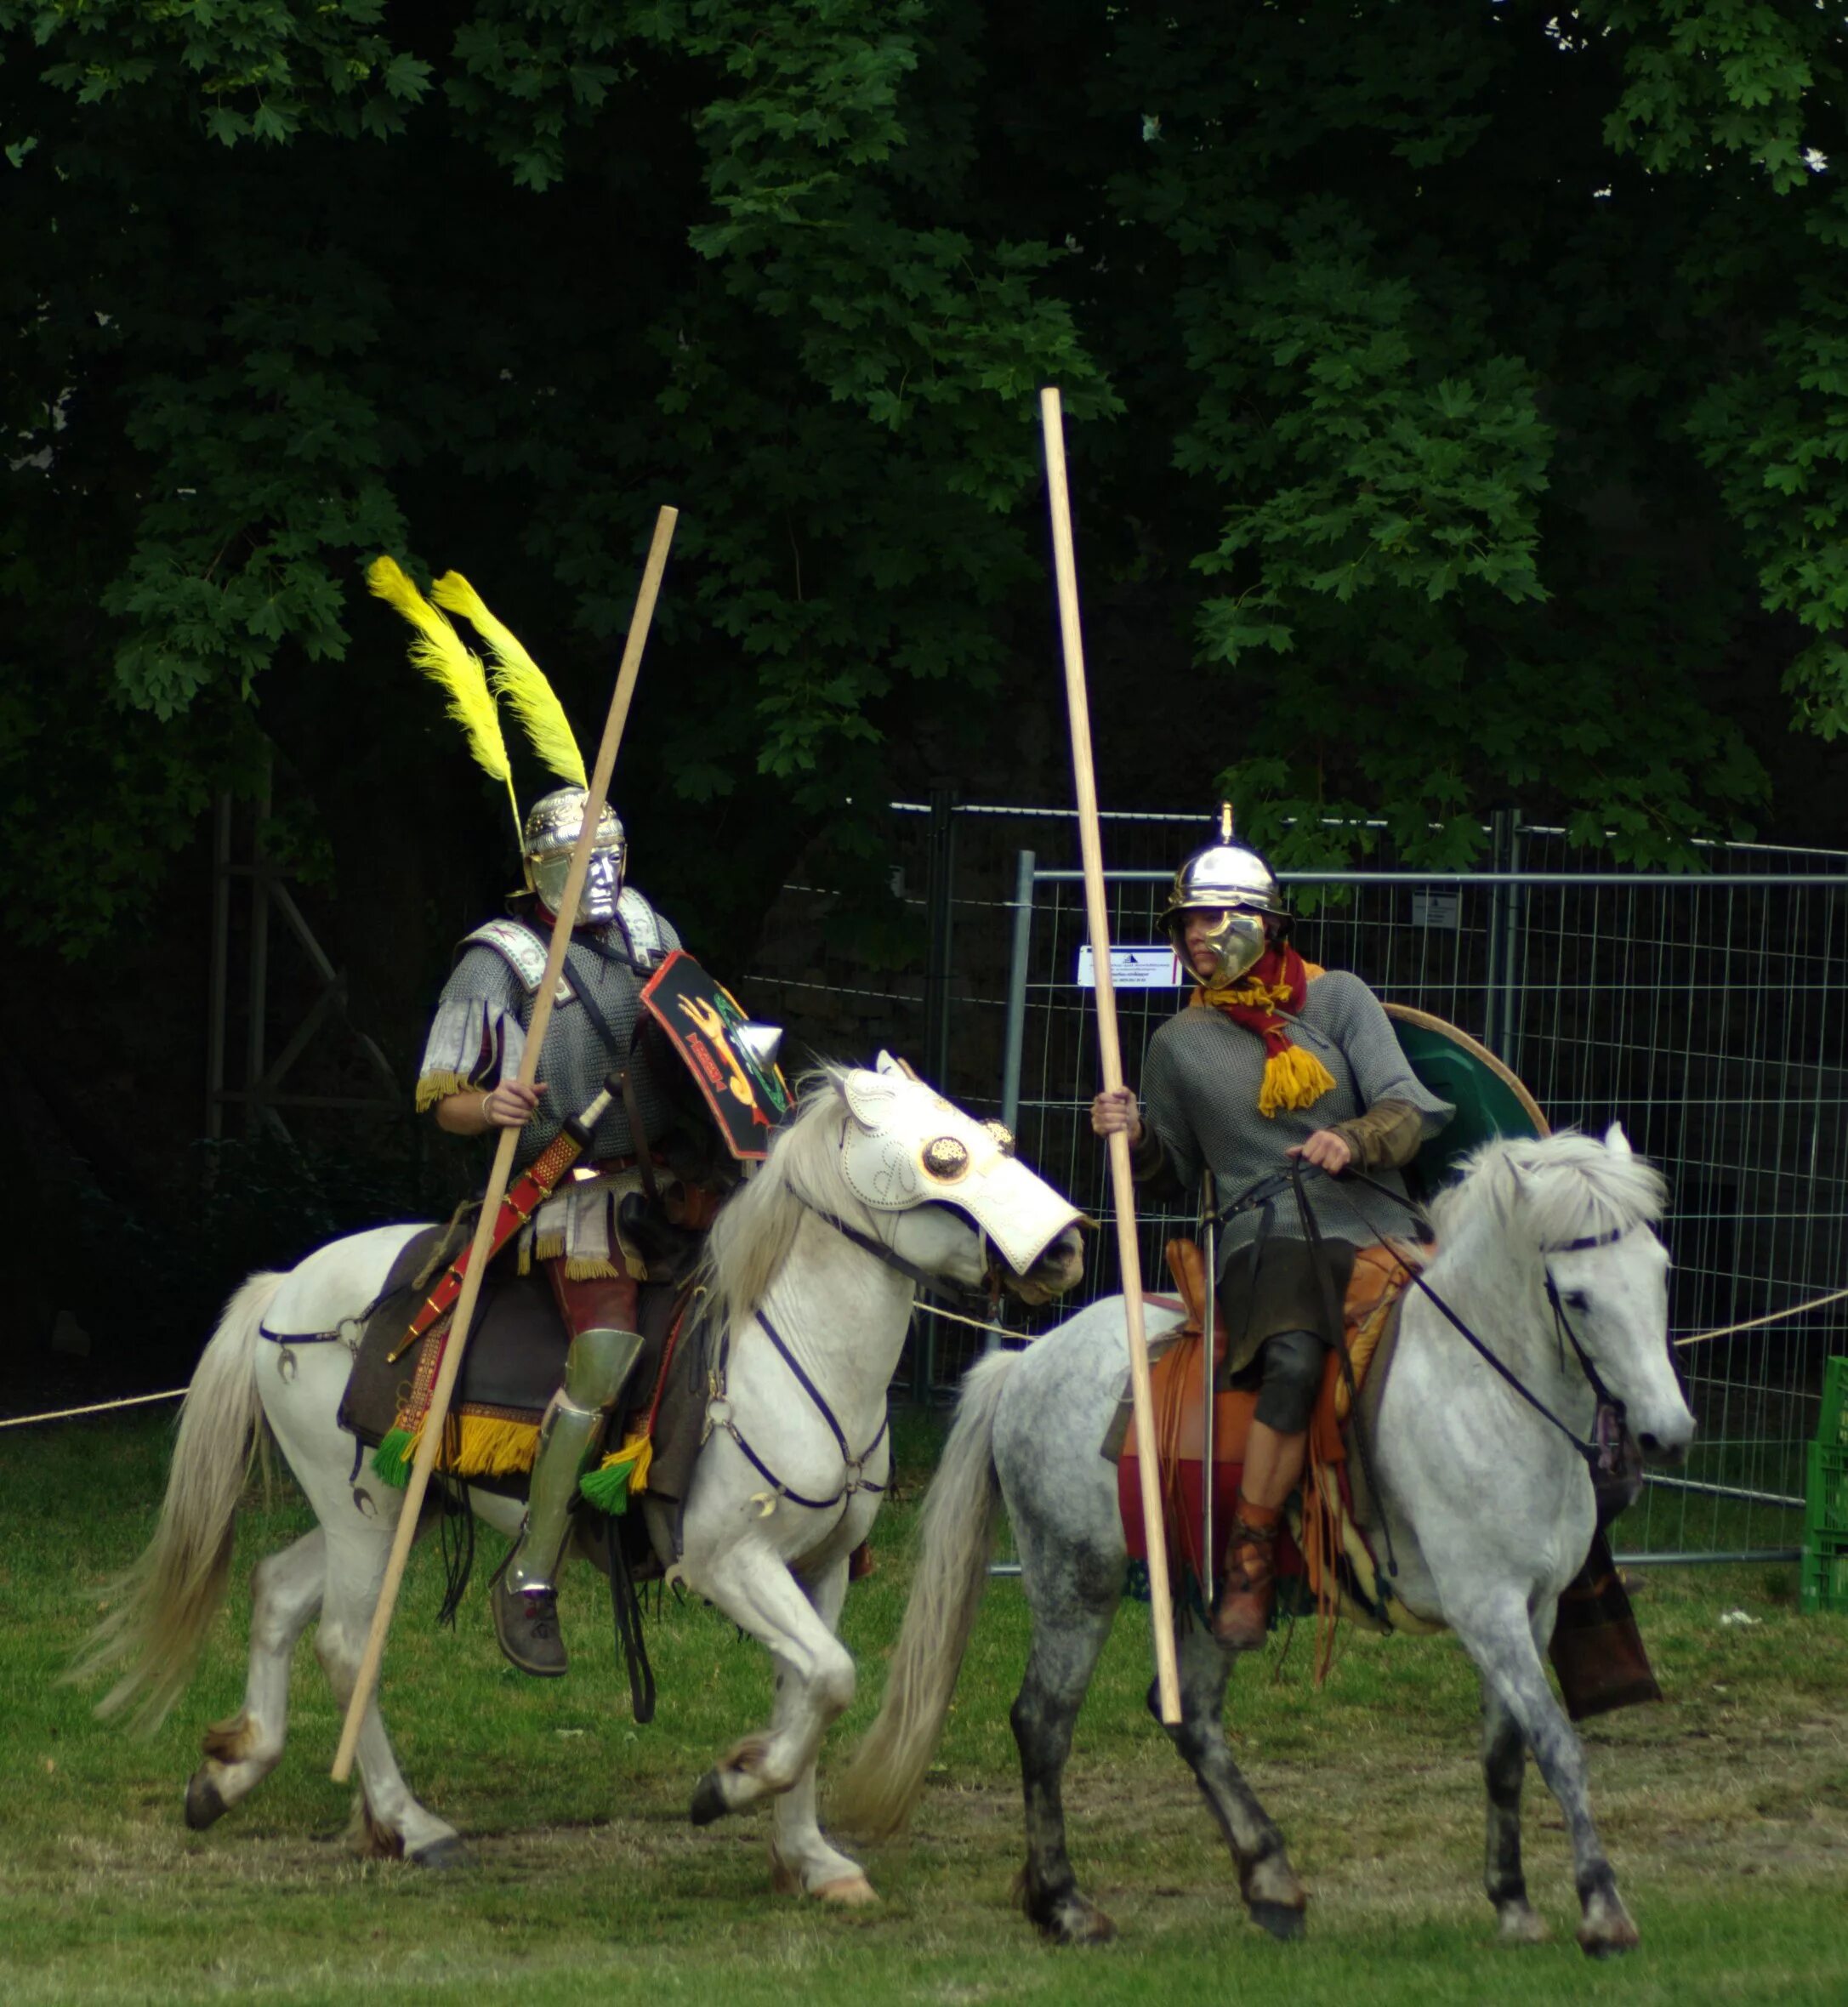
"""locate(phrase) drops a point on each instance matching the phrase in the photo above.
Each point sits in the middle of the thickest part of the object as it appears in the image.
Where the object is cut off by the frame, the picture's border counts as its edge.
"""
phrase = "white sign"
(1154, 967)
(1435, 909)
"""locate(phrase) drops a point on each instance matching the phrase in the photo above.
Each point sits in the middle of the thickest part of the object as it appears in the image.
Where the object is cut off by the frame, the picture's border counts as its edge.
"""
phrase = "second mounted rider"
(1274, 1059)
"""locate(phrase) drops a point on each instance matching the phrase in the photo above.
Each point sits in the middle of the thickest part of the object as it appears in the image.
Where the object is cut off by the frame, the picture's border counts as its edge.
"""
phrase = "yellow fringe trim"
(582, 1265)
(1293, 1078)
(481, 1448)
(638, 1453)
(433, 1087)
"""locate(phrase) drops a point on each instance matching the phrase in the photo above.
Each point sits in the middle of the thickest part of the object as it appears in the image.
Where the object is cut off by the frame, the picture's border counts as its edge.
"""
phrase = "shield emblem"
(1489, 1100)
(700, 1017)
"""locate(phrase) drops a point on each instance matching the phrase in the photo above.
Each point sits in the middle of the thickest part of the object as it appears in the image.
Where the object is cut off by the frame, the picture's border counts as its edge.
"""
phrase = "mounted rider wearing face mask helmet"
(602, 1050)
(1273, 1058)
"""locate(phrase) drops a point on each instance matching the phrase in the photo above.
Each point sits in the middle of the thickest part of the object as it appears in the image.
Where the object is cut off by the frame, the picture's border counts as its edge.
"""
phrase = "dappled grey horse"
(1489, 1504)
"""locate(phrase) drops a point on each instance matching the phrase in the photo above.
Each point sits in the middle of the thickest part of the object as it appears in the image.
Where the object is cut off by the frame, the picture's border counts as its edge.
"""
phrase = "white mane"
(756, 1228)
(1564, 1187)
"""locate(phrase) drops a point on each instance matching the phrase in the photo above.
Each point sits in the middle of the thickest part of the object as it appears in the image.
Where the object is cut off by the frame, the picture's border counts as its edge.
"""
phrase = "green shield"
(1490, 1101)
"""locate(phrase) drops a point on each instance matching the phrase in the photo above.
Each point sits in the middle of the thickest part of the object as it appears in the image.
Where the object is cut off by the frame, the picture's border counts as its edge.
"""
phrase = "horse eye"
(1576, 1299)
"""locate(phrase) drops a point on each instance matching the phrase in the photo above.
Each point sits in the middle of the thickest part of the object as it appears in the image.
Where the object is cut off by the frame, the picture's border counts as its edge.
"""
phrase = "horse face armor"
(908, 1146)
(551, 834)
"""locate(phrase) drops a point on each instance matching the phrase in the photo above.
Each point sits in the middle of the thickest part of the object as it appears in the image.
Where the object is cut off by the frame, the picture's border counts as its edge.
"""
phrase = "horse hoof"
(708, 1801)
(1075, 1922)
(204, 1802)
(1609, 1937)
(1286, 1925)
(1521, 1926)
(443, 1855)
(851, 1891)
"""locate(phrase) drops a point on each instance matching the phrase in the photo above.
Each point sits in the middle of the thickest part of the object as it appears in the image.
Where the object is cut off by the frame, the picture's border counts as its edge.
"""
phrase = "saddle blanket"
(514, 1365)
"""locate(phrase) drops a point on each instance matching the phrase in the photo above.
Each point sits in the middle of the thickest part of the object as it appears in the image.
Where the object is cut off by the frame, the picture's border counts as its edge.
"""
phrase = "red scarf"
(1263, 1000)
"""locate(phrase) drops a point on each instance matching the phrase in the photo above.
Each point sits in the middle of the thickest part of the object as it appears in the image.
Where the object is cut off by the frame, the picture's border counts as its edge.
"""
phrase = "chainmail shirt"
(1200, 1097)
(479, 1036)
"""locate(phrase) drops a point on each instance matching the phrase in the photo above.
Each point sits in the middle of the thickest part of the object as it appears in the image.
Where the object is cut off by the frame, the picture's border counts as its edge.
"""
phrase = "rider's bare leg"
(1273, 1465)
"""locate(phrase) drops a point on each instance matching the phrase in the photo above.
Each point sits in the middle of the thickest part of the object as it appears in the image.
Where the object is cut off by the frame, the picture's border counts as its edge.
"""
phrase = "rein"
(1598, 1455)
(981, 1294)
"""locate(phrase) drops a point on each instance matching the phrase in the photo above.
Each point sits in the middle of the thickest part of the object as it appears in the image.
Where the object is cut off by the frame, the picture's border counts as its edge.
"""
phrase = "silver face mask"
(551, 835)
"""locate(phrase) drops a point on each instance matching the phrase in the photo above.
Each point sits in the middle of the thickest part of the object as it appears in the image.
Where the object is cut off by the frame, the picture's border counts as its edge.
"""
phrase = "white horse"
(875, 1184)
(1490, 1507)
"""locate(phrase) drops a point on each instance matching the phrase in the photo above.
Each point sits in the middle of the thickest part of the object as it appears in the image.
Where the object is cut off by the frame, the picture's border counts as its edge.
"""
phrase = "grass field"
(1725, 1811)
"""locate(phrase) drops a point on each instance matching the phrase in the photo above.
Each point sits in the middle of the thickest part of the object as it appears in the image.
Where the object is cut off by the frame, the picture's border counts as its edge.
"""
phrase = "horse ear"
(1616, 1142)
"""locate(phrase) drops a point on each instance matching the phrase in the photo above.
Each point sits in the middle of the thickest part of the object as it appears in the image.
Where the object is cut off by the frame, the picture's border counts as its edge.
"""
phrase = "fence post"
(940, 885)
(1501, 1018)
(1017, 961)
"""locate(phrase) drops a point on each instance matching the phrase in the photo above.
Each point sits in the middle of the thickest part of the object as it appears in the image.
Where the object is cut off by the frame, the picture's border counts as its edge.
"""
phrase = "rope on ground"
(64, 1414)
(1796, 1309)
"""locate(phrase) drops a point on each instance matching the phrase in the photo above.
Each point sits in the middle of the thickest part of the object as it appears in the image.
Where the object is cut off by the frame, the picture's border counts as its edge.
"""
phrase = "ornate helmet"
(547, 841)
(1226, 877)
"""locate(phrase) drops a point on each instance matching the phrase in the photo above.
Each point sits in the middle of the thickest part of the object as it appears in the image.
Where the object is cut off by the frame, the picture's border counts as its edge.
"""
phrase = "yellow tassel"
(520, 679)
(638, 1453)
(440, 653)
(1293, 1078)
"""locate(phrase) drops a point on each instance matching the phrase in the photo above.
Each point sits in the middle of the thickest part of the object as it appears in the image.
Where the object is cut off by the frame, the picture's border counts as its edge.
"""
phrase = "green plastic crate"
(1832, 1433)
(1826, 1494)
(1825, 1573)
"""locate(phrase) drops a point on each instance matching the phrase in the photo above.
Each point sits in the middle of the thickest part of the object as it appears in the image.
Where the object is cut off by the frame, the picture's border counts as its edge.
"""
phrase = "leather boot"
(1243, 1620)
(524, 1593)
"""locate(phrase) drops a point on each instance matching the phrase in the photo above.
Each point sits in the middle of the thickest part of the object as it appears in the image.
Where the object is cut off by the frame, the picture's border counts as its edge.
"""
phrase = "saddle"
(1326, 1551)
(1177, 1381)
(514, 1365)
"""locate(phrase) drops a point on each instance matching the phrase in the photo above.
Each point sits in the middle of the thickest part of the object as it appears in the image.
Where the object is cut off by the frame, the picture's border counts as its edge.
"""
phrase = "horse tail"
(955, 1543)
(164, 1606)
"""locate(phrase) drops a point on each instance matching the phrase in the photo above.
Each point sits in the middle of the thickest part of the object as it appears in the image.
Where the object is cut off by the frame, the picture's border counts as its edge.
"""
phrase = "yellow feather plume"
(518, 679)
(442, 655)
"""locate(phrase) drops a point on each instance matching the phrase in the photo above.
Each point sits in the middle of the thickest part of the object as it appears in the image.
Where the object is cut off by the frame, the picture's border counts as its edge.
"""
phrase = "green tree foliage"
(1460, 389)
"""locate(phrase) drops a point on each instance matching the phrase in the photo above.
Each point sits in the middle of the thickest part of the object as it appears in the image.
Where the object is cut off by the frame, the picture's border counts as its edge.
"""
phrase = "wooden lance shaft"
(1122, 1184)
(430, 1441)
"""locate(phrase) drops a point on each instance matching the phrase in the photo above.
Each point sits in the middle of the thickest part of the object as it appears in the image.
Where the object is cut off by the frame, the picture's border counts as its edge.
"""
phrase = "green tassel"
(606, 1488)
(392, 1459)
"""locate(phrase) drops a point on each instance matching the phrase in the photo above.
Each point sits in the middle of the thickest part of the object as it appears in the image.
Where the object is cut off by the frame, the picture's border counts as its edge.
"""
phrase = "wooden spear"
(1128, 1250)
(429, 1442)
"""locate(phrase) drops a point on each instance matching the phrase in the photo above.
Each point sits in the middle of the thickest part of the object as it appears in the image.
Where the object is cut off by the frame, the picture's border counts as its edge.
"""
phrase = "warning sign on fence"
(1153, 967)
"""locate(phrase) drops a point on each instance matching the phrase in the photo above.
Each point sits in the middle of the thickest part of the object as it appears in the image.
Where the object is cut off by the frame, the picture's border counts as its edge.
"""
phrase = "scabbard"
(525, 1196)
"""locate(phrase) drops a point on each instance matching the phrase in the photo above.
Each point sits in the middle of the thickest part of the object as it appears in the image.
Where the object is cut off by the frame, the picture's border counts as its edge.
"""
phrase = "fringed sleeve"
(476, 1039)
